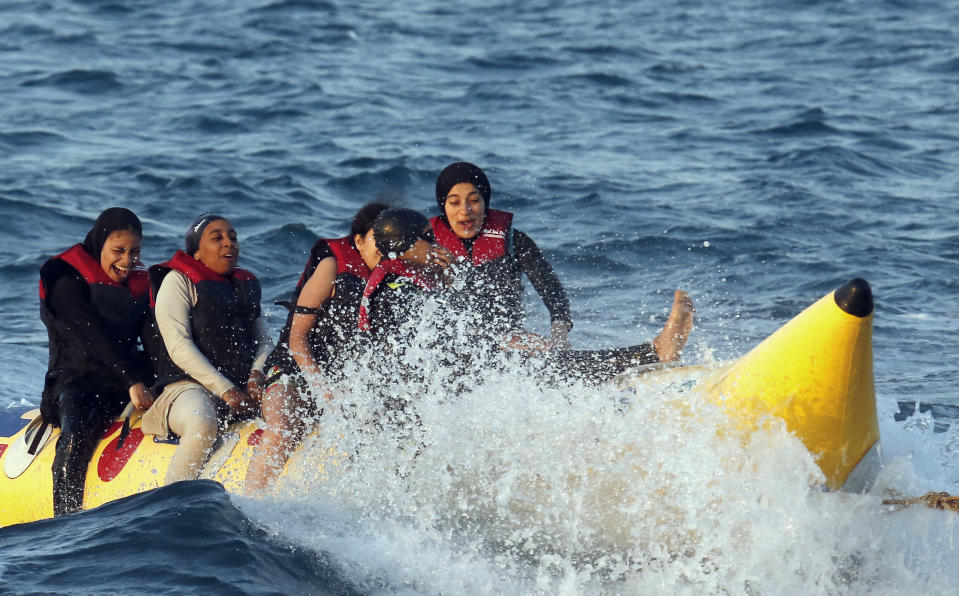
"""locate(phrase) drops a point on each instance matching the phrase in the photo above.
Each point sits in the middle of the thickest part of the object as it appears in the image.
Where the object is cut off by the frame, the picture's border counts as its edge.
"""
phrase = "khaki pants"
(186, 409)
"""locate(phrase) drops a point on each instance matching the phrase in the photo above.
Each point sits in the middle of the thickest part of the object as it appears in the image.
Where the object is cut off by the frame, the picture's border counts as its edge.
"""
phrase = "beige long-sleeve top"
(174, 301)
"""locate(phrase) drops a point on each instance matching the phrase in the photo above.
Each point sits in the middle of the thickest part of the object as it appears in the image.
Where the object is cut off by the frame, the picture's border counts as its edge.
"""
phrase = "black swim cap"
(195, 231)
(456, 173)
(396, 230)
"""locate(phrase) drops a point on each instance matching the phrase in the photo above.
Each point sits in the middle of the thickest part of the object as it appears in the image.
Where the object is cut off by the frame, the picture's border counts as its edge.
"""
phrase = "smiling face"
(219, 249)
(120, 254)
(465, 210)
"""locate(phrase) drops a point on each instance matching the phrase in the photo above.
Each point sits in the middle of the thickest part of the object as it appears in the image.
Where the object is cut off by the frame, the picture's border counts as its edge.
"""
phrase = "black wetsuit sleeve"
(542, 276)
(69, 299)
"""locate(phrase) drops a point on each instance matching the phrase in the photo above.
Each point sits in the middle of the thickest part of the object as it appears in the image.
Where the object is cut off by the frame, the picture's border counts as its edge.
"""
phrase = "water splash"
(521, 483)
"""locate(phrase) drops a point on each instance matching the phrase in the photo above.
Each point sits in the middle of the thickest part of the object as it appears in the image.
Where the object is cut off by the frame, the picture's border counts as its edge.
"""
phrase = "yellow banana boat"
(815, 373)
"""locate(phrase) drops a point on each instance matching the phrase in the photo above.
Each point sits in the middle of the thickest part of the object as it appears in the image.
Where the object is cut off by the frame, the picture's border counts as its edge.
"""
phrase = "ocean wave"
(602, 50)
(512, 61)
(79, 39)
(384, 179)
(671, 68)
(28, 30)
(196, 47)
(949, 66)
(29, 138)
(832, 157)
(111, 7)
(802, 128)
(185, 534)
(600, 79)
(211, 125)
(675, 97)
(32, 218)
(296, 6)
(79, 81)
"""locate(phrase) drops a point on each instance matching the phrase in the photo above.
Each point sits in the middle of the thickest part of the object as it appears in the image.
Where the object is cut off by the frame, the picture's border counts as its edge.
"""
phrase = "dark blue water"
(757, 154)
(203, 545)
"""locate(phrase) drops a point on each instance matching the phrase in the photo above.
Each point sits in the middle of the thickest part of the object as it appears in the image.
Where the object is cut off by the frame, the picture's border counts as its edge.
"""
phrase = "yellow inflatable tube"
(815, 373)
(115, 471)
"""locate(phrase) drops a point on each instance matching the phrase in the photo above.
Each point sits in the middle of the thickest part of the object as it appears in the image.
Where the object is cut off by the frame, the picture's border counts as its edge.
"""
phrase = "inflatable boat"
(814, 373)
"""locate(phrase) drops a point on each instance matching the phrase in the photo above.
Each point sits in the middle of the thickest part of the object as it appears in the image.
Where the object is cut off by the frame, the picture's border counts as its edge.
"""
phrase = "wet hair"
(112, 220)
(396, 230)
(195, 231)
(364, 218)
(457, 173)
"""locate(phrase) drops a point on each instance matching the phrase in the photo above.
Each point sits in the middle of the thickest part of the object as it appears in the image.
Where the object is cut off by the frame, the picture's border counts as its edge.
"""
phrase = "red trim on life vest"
(192, 268)
(447, 239)
(348, 258)
(490, 244)
(197, 271)
(87, 266)
(396, 266)
(254, 438)
(243, 275)
(137, 282)
(3, 448)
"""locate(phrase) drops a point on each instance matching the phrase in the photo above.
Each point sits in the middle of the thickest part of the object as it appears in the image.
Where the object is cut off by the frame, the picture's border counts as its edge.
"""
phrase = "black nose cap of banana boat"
(855, 297)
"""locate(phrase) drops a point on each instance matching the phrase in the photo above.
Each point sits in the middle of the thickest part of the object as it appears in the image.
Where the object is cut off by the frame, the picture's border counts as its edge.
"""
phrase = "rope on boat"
(943, 501)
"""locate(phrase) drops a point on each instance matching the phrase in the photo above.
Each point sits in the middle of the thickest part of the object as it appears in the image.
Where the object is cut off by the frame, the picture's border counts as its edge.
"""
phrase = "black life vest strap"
(300, 310)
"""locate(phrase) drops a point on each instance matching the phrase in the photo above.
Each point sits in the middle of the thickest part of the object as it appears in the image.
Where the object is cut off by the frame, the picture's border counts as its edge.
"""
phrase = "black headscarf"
(111, 220)
(456, 173)
(195, 231)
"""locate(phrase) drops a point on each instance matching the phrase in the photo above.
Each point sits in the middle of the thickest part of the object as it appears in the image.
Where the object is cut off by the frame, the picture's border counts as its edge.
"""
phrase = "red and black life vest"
(122, 306)
(492, 281)
(494, 240)
(348, 258)
(222, 320)
(387, 267)
(348, 261)
(137, 284)
(336, 317)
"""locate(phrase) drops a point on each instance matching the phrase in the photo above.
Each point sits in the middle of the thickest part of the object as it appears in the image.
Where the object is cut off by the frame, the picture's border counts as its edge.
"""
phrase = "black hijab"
(456, 173)
(110, 221)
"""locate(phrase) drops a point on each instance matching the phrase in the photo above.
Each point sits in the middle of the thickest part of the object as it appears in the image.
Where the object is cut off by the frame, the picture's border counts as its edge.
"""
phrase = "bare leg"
(671, 340)
(283, 411)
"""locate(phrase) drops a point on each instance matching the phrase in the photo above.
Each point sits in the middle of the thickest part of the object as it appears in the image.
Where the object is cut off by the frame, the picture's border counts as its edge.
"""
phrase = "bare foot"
(671, 340)
(525, 342)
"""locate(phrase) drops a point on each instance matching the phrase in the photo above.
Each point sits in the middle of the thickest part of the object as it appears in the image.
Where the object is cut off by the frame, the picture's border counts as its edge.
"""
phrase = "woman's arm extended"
(315, 292)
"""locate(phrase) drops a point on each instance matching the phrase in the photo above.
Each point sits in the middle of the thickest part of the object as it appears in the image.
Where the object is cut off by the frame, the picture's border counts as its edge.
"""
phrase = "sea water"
(757, 155)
